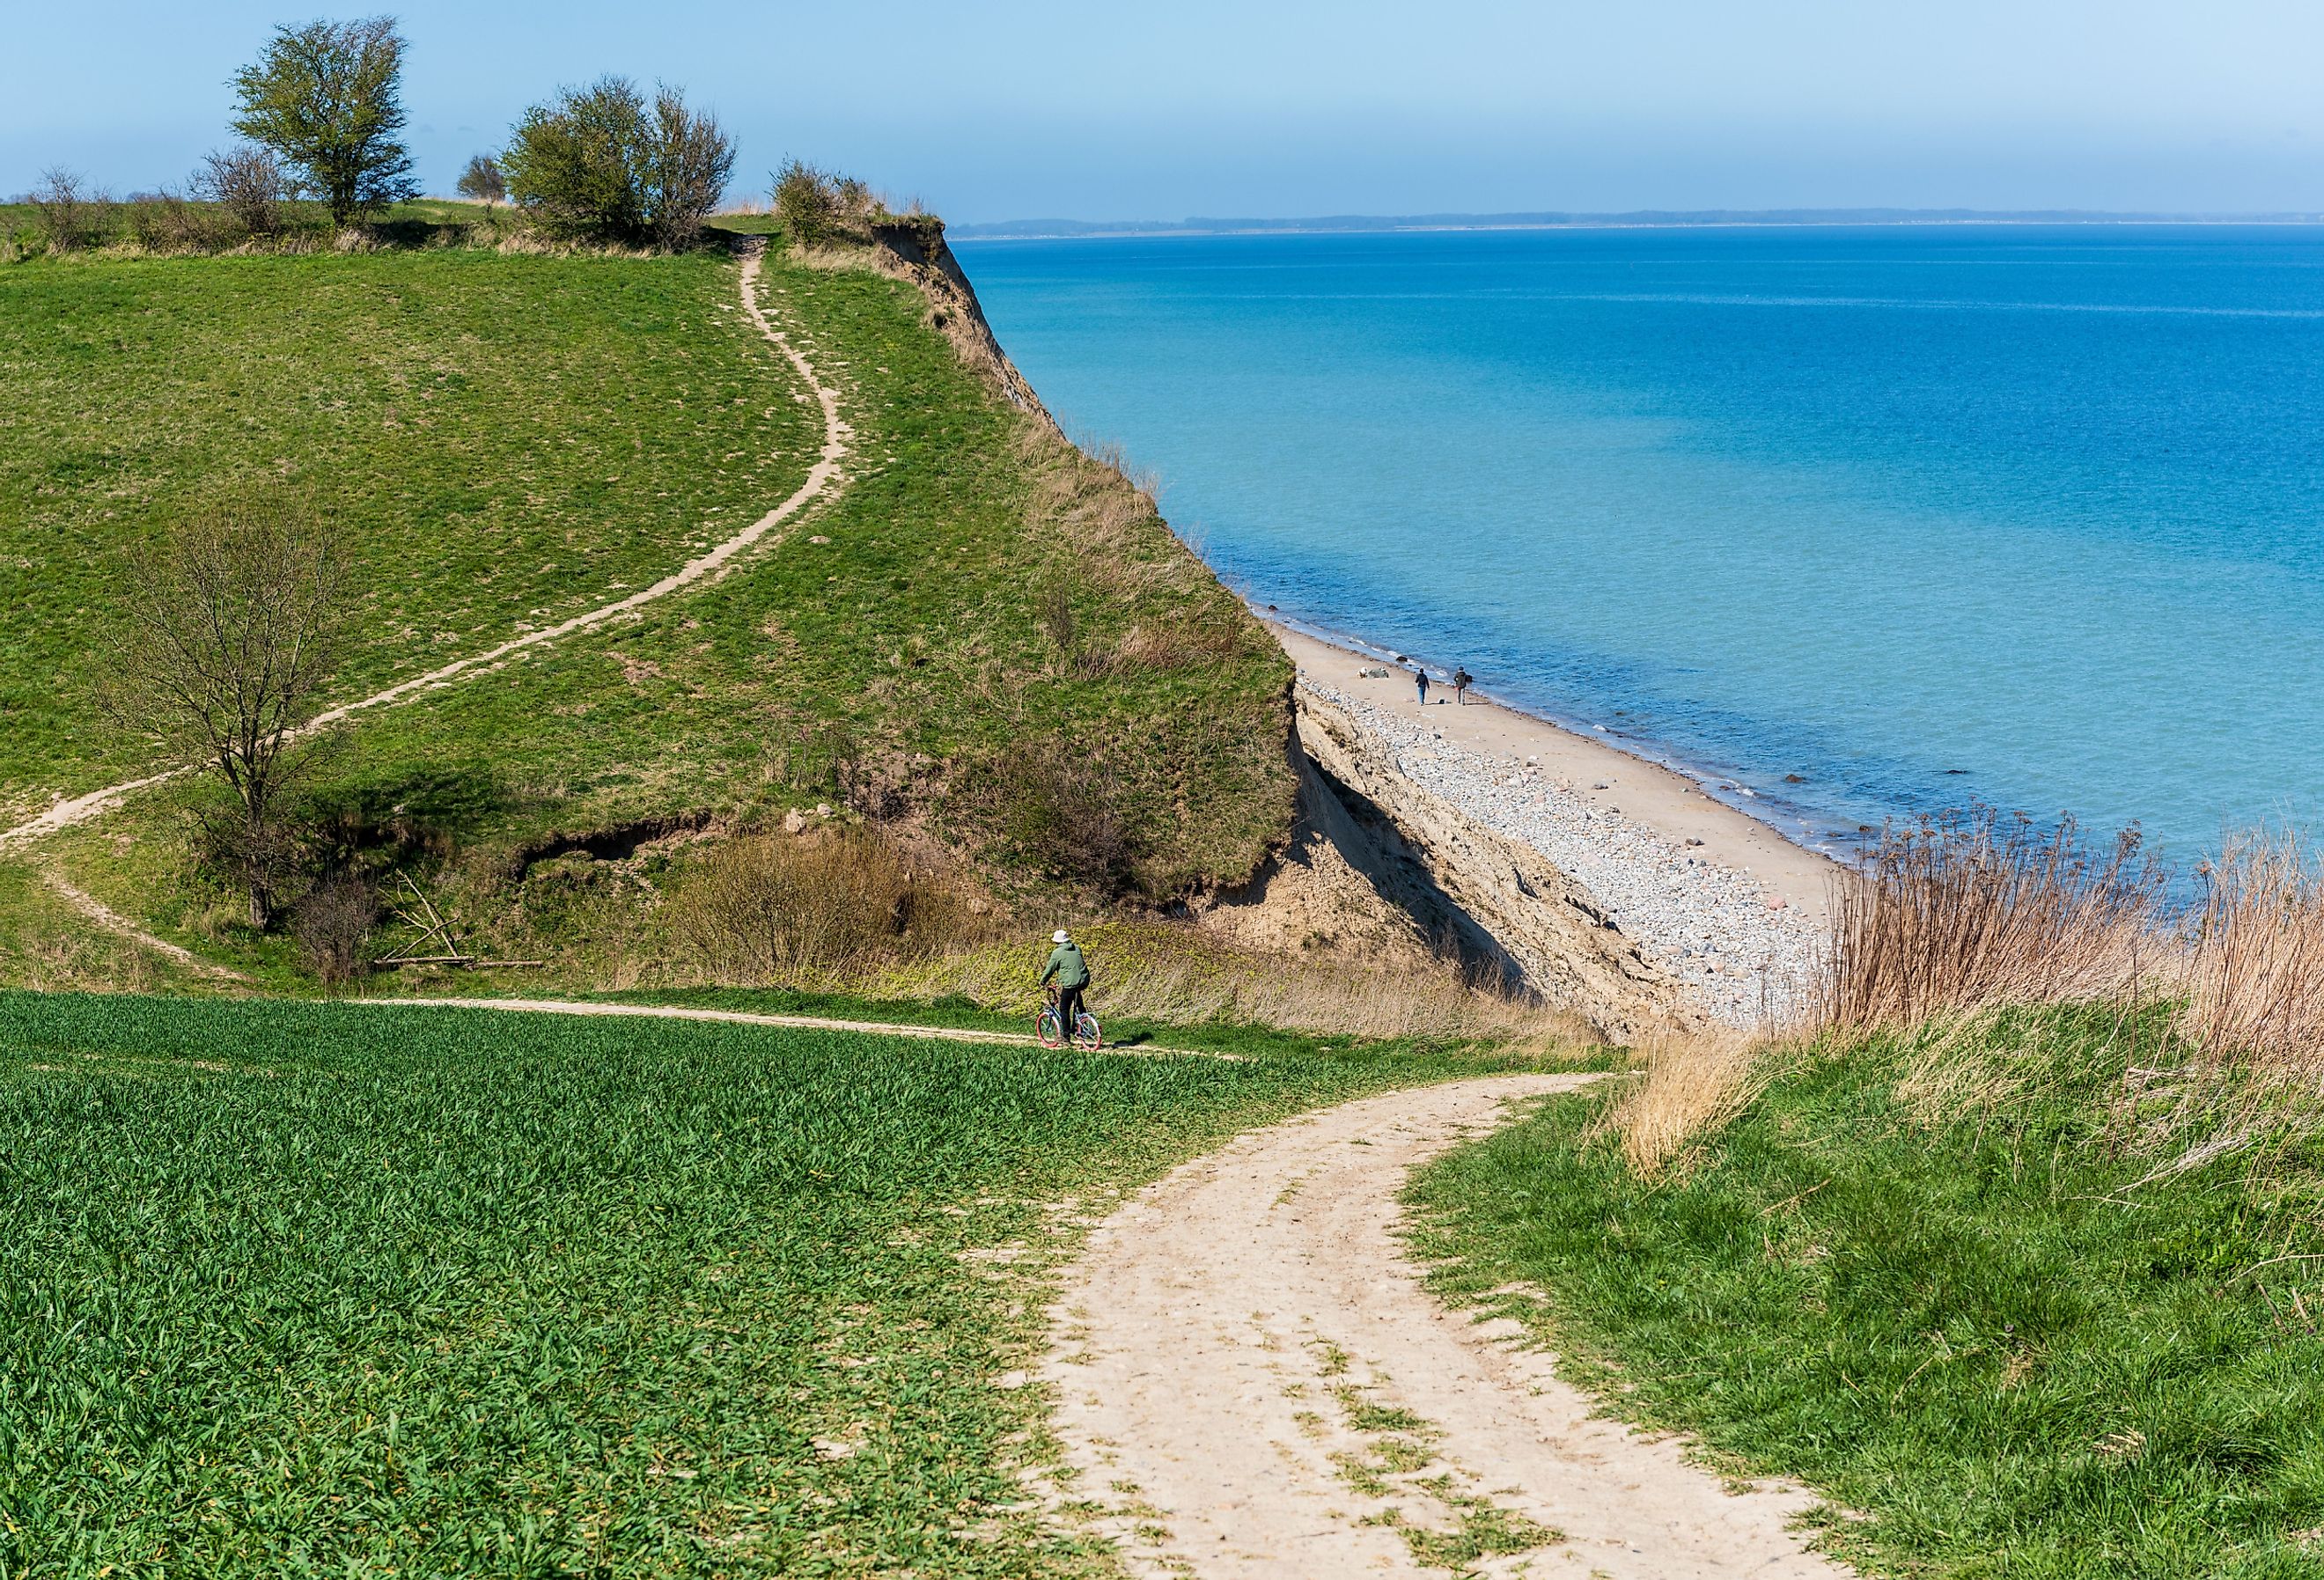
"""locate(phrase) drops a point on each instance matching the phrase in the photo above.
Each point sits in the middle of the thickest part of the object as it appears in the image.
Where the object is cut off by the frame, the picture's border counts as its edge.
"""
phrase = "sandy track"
(821, 477)
(796, 1022)
(1227, 1349)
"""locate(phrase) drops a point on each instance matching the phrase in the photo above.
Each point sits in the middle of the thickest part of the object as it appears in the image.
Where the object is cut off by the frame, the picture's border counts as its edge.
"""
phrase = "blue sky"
(1199, 107)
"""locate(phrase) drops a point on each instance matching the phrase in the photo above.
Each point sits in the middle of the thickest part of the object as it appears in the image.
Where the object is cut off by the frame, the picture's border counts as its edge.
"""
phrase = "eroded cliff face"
(1377, 864)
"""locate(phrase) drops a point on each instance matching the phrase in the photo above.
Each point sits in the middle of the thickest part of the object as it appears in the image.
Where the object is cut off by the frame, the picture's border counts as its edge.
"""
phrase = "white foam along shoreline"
(1721, 898)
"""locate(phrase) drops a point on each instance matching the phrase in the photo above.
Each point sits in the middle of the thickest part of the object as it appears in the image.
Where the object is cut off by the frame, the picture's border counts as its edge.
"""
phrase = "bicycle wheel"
(1085, 1031)
(1049, 1028)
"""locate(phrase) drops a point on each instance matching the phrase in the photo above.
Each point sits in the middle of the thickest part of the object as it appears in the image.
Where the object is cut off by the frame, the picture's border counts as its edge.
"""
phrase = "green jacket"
(1066, 964)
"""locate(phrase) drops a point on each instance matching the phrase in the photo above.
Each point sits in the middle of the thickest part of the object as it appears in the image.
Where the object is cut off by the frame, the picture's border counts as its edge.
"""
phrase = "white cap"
(1059, 937)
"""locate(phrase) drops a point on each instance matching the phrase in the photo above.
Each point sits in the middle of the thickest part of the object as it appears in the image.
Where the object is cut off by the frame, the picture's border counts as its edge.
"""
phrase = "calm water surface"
(1868, 507)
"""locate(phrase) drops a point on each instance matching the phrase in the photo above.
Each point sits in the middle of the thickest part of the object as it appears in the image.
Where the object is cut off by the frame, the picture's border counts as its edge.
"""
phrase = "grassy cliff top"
(501, 440)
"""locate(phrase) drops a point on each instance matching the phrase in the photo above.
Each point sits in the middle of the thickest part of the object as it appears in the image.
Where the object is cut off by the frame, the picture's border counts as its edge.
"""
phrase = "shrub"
(248, 185)
(331, 925)
(792, 910)
(70, 212)
(327, 98)
(818, 207)
(601, 162)
(1049, 810)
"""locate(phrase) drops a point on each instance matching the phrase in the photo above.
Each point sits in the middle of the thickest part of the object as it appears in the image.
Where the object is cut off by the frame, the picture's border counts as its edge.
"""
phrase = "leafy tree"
(327, 98)
(600, 162)
(231, 630)
(482, 180)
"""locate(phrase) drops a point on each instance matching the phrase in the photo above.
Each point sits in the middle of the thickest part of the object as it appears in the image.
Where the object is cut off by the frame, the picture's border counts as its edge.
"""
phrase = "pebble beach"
(1748, 948)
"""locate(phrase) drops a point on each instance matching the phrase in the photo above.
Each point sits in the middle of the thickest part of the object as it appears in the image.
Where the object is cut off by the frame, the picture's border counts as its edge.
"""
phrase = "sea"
(1856, 524)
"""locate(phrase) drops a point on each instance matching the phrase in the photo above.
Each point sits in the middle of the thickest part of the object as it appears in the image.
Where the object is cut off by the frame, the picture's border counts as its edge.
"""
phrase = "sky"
(1243, 108)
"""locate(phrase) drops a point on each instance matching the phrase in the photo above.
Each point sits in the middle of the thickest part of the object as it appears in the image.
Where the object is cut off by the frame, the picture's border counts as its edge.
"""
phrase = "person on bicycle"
(1073, 975)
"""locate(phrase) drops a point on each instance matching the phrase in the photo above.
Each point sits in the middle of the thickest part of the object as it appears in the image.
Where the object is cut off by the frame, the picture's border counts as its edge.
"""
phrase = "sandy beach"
(1722, 900)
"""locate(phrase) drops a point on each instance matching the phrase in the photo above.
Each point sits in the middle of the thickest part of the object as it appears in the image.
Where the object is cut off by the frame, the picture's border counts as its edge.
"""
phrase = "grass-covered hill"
(985, 644)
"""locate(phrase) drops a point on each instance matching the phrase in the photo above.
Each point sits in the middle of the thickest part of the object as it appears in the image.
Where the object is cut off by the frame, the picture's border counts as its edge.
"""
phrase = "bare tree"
(231, 630)
(482, 181)
(327, 96)
(246, 182)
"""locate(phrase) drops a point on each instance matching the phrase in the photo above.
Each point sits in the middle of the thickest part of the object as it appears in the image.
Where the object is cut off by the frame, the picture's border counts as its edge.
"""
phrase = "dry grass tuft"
(1691, 1086)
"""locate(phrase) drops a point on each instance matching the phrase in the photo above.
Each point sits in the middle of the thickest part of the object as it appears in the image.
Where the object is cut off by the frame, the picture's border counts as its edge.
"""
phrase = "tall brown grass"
(1174, 973)
(1961, 913)
(2253, 977)
(1957, 916)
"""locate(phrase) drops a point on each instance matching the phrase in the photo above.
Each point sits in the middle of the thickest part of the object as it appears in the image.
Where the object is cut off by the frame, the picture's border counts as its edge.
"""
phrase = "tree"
(231, 633)
(600, 161)
(327, 98)
(692, 160)
(482, 182)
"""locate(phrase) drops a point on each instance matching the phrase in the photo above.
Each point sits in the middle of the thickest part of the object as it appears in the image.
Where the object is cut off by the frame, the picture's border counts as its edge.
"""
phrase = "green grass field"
(510, 439)
(315, 1289)
(1949, 1308)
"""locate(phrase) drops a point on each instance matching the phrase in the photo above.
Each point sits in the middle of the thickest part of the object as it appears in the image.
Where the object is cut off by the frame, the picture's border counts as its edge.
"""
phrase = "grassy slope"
(910, 634)
(496, 440)
(1947, 1313)
(306, 1288)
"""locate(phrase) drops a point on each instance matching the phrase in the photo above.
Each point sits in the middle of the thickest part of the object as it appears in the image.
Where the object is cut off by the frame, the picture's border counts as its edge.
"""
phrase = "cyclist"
(1073, 975)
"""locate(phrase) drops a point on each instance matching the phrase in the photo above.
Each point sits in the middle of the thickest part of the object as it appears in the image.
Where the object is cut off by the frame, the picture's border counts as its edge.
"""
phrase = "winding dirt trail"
(1254, 1382)
(821, 477)
(788, 1022)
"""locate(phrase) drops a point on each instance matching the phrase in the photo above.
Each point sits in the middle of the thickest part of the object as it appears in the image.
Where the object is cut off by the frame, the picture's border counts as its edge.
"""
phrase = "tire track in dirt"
(1252, 1382)
(822, 476)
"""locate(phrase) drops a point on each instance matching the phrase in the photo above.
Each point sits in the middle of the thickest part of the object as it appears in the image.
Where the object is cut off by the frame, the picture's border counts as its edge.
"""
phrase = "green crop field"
(1963, 1310)
(509, 438)
(319, 1289)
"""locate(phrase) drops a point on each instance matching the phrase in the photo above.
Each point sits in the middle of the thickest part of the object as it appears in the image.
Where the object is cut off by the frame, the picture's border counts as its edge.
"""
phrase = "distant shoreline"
(1648, 220)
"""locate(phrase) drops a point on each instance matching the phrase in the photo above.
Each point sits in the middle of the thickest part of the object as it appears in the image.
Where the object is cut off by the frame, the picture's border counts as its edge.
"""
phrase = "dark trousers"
(1069, 1004)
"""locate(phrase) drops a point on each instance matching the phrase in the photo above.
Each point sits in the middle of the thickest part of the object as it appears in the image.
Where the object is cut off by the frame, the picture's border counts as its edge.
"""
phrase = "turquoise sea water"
(2030, 516)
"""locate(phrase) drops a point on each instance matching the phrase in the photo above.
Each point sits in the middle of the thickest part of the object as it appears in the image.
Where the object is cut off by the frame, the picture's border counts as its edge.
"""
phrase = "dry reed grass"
(2253, 972)
(1960, 913)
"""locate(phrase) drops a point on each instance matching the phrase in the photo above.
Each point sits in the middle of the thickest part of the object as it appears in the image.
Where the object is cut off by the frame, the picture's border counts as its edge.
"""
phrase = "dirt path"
(825, 474)
(799, 1022)
(1253, 1381)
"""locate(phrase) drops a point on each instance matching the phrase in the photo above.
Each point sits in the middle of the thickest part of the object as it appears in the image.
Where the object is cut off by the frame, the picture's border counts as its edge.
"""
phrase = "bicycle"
(1051, 1030)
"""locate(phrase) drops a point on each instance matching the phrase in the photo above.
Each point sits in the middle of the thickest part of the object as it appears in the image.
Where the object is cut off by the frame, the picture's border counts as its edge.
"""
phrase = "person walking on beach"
(1420, 676)
(1461, 681)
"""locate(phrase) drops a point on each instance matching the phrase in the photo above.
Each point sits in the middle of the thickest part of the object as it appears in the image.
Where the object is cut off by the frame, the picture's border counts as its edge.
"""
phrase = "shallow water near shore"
(1867, 521)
